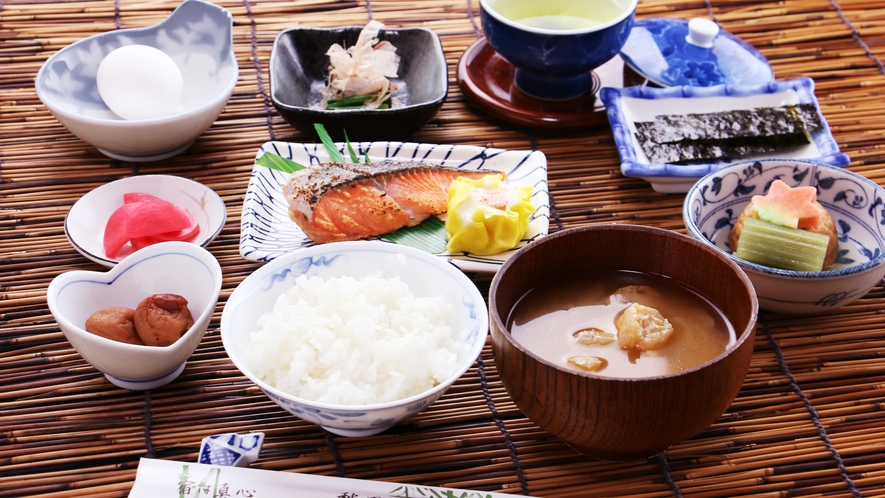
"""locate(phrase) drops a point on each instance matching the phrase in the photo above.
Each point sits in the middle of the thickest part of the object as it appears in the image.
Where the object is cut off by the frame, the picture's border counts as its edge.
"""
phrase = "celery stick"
(781, 247)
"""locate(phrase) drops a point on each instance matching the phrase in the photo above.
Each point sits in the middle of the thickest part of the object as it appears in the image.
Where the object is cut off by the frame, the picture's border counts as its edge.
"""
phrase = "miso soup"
(589, 317)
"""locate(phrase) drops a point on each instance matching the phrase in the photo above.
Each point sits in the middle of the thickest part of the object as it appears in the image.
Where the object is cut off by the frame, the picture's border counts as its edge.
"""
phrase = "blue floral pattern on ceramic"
(425, 274)
(657, 49)
(856, 204)
(267, 232)
(626, 105)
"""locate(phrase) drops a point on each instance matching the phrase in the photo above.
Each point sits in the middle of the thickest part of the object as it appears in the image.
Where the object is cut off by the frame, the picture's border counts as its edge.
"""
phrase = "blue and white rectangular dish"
(267, 232)
(624, 106)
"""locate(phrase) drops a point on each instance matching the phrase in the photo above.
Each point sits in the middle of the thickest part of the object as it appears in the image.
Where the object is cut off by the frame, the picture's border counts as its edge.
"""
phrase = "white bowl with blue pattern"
(857, 205)
(166, 268)
(198, 36)
(625, 106)
(425, 274)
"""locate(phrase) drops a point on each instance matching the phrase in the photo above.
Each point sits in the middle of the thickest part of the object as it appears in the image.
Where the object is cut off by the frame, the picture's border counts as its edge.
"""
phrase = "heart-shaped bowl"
(165, 268)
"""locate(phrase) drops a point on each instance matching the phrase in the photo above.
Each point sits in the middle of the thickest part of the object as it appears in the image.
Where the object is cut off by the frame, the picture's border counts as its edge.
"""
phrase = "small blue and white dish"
(626, 106)
(857, 205)
(425, 274)
(679, 52)
(198, 36)
(165, 268)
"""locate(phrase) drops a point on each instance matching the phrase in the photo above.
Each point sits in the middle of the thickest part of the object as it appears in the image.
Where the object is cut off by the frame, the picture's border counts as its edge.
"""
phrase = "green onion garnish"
(356, 102)
(334, 154)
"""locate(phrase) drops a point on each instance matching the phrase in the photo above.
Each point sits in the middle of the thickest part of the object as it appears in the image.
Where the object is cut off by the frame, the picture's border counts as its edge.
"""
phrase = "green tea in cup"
(554, 45)
(559, 15)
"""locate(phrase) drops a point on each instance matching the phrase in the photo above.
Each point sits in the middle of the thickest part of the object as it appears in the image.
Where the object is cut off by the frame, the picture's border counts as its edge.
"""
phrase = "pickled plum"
(162, 319)
(114, 323)
(158, 320)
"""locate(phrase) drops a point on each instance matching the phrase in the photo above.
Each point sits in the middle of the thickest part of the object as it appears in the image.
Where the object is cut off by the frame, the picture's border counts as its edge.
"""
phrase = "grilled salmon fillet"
(334, 202)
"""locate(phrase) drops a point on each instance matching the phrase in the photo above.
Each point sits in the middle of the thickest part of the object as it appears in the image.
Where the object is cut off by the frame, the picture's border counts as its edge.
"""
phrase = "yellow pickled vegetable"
(486, 216)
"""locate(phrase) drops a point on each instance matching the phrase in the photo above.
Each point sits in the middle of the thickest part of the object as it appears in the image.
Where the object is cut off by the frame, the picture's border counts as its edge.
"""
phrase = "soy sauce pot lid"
(675, 52)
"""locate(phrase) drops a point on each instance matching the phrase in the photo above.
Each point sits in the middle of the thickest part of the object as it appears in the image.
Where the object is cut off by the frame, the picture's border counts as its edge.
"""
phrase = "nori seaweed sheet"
(688, 151)
(693, 137)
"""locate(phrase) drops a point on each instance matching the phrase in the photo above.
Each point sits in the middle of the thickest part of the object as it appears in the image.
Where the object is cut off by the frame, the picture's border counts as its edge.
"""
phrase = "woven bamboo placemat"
(809, 420)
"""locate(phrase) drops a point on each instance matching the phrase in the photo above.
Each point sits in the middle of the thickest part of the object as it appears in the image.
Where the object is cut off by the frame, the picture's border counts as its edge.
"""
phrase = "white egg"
(140, 82)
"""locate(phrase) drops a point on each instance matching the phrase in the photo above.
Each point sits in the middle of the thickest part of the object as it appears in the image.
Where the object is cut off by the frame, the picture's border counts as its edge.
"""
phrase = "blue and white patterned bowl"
(198, 36)
(857, 204)
(426, 275)
(625, 106)
(168, 267)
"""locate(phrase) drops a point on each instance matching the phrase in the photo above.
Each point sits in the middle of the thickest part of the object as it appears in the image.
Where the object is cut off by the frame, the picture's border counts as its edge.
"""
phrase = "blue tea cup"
(555, 45)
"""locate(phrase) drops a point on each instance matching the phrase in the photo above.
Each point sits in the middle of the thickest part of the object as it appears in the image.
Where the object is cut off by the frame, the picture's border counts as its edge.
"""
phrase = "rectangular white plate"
(266, 231)
(624, 106)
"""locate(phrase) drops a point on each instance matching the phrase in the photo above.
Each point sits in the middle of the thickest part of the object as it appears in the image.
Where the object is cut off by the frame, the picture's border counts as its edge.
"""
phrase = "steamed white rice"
(355, 341)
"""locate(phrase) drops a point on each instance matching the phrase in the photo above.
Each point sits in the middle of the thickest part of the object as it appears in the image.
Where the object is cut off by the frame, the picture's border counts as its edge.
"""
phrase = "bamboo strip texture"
(66, 432)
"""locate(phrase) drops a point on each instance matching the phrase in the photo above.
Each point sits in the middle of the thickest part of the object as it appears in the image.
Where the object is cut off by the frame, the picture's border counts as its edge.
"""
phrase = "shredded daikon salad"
(359, 75)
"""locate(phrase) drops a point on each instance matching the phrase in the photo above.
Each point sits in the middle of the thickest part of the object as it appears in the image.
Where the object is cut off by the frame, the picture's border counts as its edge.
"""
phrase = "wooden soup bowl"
(623, 419)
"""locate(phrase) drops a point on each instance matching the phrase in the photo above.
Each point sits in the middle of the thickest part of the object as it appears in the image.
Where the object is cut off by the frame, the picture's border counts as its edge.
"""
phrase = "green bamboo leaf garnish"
(429, 236)
(334, 155)
(353, 157)
(279, 163)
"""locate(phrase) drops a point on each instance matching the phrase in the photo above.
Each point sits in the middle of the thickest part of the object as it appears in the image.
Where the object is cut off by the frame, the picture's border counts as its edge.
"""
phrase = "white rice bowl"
(413, 371)
(355, 341)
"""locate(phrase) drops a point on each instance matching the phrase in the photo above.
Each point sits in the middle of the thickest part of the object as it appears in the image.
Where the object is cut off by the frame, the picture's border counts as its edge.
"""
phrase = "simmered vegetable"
(776, 246)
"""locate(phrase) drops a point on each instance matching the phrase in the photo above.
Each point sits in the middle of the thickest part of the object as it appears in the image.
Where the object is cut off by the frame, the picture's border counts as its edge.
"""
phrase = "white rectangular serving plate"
(267, 232)
(624, 106)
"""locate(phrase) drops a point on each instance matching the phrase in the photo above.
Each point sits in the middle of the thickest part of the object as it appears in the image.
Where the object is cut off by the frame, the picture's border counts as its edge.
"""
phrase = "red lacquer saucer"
(487, 80)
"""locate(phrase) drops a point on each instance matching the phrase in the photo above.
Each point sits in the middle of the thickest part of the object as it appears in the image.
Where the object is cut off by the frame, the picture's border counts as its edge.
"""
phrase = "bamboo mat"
(809, 420)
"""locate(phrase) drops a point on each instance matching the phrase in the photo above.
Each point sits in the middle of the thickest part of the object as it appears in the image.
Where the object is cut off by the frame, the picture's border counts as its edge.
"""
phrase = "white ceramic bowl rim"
(792, 274)
(739, 339)
(543, 31)
(282, 261)
(223, 96)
